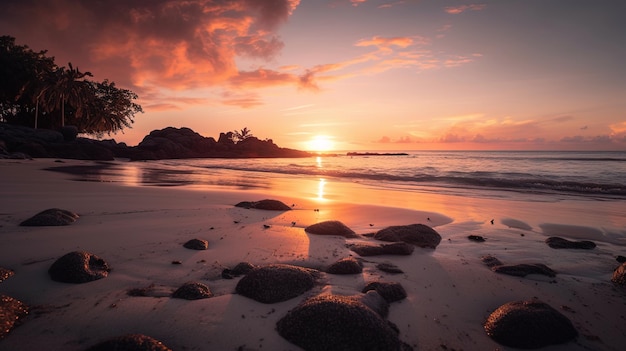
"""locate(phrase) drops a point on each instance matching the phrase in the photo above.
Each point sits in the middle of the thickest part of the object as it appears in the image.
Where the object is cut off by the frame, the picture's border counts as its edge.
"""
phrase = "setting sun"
(320, 143)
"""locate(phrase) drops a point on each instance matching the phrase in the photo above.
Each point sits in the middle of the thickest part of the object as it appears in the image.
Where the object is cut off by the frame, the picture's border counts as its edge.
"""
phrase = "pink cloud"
(455, 10)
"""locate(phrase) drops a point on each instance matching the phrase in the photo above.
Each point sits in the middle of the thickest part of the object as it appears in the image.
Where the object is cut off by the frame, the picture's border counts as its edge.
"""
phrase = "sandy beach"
(140, 232)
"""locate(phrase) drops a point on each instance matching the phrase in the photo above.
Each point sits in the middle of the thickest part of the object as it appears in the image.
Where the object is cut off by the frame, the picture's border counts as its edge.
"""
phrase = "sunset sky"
(353, 74)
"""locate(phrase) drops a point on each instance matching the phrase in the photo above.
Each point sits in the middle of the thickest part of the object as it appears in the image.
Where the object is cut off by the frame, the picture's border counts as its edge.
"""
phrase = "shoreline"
(140, 231)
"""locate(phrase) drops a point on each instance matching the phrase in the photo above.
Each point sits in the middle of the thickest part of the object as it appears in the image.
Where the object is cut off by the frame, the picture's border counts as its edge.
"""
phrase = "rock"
(192, 291)
(175, 143)
(5, 274)
(391, 292)
(417, 234)
(491, 261)
(476, 238)
(51, 217)
(348, 265)
(197, 244)
(130, 342)
(529, 325)
(270, 205)
(12, 312)
(524, 269)
(619, 276)
(333, 322)
(389, 268)
(69, 132)
(276, 283)
(240, 269)
(402, 249)
(331, 228)
(78, 267)
(559, 243)
(167, 143)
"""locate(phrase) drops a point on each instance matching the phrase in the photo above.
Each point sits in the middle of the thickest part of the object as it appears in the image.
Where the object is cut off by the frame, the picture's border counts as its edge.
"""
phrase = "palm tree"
(67, 87)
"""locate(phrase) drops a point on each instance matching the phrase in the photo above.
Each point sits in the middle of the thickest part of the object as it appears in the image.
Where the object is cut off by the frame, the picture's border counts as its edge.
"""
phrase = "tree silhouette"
(31, 85)
(67, 87)
(241, 135)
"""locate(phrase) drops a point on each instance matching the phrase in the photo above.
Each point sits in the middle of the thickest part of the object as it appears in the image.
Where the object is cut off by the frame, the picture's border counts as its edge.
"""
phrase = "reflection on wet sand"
(141, 174)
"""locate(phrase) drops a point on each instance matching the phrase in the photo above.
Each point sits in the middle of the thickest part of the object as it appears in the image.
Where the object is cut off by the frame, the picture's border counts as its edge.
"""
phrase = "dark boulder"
(12, 313)
(192, 291)
(331, 228)
(619, 276)
(529, 325)
(267, 204)
(196, 244)
(559, 243)
(524, 269)
(333, 323)
(417, 234)
(401, 249)
(78, 267)
(391, 292)
(51, 217)
(276, 283)
(348, 265)
(131, 342)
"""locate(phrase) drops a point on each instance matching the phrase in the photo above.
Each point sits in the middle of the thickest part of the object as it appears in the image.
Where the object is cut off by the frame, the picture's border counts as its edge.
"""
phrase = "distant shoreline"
(377, 154)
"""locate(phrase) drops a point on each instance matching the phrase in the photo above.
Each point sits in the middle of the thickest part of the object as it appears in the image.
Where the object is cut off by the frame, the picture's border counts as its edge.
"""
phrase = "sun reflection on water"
(320, 189)
(318, 162)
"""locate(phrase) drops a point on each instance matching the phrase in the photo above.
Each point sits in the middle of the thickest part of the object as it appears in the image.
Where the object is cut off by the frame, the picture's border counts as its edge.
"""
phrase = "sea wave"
(476, 180)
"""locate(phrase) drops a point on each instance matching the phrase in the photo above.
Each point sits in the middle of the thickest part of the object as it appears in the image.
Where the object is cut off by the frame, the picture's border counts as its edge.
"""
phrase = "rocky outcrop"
(529, 325)
(23, 142)
(276, 283)
(168, 143)
(78, 267)
(417, 234)
(177, 143)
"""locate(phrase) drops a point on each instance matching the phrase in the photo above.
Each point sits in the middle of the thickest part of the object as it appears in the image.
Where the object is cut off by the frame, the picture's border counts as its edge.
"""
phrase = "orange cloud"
(171, 44)
(385, 44)
(455, 10)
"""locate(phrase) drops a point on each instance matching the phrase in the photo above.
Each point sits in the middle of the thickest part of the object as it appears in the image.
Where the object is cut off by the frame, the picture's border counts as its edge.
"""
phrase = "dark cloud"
(173, 44)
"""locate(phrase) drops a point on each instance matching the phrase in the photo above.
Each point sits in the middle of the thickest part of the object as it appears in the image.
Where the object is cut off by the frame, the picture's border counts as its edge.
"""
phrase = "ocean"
(585, 189)
(591, 175)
